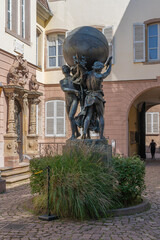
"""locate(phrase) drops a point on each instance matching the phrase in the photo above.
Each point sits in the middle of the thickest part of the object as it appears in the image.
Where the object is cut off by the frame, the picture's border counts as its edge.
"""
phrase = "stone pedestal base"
(95, 145)
(2, 186)
(32, 146)
(11, 156)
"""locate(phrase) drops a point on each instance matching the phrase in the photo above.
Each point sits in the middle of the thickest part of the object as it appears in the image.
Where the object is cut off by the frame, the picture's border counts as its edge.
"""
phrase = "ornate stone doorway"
(22, 96)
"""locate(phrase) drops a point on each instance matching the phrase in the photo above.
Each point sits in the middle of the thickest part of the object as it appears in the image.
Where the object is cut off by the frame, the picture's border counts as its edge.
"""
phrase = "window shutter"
(50, 109)
(108, 32)
(50, 118)
(50, 126)
(155, 123)
(60, 124)
(148, 123)
(139, 42)
(27, 20)
(14, 16)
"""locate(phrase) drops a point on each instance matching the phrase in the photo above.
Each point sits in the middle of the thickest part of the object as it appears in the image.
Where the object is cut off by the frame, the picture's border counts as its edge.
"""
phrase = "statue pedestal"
(95, 145)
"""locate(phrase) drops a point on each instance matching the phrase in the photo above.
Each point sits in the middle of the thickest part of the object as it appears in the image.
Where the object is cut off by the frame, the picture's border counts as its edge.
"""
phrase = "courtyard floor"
(17, 224)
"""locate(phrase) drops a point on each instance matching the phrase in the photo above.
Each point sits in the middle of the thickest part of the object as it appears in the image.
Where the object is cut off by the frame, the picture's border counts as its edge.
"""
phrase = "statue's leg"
(87, 121)
(100, 112)
(72, 112)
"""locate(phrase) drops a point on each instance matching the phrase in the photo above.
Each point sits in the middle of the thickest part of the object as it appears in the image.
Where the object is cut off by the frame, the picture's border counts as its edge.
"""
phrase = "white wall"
(7, 41)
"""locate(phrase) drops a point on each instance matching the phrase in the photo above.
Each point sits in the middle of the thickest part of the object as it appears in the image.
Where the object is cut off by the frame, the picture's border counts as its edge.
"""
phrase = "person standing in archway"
(152, 147)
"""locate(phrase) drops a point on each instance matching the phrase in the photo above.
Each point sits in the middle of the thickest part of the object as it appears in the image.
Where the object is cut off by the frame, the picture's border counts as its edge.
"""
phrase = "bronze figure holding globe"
(85, 51)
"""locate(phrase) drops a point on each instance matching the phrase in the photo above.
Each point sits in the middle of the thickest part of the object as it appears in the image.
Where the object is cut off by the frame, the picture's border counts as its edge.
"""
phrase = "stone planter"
(142, 207)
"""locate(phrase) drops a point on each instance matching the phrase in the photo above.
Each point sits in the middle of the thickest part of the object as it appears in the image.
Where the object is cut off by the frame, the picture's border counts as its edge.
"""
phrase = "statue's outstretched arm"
(108, 67)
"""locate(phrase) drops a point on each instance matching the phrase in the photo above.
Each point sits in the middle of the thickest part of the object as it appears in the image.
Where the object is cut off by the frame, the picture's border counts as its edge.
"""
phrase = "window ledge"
(17, 36)
(53, 69)
(151, 62)
(152, 134)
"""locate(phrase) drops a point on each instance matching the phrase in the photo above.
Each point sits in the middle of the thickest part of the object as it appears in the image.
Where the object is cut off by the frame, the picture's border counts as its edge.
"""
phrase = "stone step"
(16, 176)
(13, 172)
(17, 180)
(21, 166)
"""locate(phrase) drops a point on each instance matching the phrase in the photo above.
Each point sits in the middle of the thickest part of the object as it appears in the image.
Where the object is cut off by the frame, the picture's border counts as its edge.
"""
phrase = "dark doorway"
(142, 141)
(18, 128)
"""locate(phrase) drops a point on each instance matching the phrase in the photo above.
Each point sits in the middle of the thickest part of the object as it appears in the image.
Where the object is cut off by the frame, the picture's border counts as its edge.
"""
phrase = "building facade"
(131, 90)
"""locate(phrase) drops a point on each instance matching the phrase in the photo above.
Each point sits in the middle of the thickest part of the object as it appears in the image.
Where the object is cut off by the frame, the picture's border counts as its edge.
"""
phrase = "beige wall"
(122, 15)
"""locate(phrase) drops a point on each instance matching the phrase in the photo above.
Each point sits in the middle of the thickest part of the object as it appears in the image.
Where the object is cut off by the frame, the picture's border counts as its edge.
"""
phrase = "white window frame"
(152, 113)
(56, 44)
(9, 12)
(158, 47)
(23, 18)
(54, 117)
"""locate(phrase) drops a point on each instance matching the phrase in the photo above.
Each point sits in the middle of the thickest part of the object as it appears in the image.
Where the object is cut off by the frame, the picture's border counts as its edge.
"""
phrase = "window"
(152, 123)
(154, 42)
(139, 42)
(55, 50)
(147, 41)
(18, 19)
(55, 118)
(23, 18)
(9, 19)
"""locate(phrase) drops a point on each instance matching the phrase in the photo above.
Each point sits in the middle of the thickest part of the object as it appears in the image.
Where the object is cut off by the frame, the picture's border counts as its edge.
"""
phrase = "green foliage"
(81, 186)
(130, 175)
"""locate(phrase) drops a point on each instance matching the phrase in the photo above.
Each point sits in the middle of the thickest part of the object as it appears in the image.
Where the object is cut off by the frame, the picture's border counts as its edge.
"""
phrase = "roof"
(45, 4)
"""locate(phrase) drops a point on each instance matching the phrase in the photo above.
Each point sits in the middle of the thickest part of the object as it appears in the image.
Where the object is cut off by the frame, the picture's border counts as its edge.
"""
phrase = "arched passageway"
(143, 123)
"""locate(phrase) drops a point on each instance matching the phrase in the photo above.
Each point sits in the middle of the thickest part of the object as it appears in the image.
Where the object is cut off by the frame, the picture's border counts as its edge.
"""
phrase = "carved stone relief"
(18, 73)
(33, 84)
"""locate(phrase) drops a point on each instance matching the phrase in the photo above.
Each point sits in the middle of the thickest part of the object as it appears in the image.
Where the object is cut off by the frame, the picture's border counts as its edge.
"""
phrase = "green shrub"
(130, 175)
(81, 186)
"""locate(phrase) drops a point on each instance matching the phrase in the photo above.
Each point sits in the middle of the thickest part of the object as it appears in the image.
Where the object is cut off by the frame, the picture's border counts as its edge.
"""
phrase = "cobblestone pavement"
(17, 224)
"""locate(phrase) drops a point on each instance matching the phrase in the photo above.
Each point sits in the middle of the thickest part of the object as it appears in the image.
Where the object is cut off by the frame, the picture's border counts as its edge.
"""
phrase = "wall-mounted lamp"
(1, 88)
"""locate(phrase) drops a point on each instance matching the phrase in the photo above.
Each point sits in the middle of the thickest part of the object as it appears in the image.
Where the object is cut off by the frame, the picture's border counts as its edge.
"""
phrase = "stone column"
(11, 156)
(11, 121)
(32, 142)
(25, 121)
(32, 122)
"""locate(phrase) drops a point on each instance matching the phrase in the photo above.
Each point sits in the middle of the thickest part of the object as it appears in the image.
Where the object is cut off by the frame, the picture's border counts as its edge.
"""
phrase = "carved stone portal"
(20, 138)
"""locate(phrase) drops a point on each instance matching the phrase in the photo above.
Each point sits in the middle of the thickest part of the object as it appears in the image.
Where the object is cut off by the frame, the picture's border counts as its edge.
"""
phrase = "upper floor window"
(154, 42)
(23, 18)
(55, 118)
(55, 50)
(18, 19)
(147, 41)
(9, 15)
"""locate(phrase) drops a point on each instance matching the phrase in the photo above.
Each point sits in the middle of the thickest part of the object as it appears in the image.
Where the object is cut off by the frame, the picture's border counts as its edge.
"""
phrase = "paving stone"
(18, 224)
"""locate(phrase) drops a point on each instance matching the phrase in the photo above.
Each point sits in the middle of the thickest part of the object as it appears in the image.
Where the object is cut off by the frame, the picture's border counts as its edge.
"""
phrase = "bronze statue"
(91, 116)
(86, 51)
(72, 99)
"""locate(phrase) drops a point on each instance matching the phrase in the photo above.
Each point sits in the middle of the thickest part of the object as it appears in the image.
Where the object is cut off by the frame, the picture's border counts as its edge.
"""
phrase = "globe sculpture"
(88, 42)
